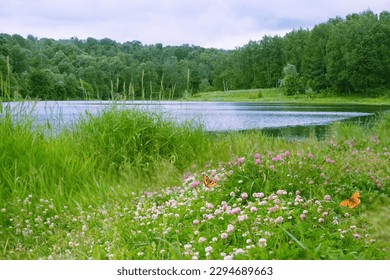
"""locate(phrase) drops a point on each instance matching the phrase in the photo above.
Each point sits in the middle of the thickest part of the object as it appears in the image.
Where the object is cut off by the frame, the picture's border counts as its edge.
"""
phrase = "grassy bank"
(276, 95)
(127, 185)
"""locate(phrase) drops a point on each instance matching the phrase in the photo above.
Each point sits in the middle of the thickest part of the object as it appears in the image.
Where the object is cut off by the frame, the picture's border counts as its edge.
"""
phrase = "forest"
(348, 55)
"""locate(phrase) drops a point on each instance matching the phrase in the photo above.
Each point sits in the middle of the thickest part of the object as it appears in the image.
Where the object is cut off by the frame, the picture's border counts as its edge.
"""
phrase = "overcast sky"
(209, 23)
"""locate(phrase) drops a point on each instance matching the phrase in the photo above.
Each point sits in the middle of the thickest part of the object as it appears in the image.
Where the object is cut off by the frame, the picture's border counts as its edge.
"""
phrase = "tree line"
(343, 55)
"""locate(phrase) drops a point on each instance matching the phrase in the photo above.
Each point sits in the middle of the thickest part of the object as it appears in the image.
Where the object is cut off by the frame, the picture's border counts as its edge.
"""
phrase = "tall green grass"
(125, 184)
(117, 146)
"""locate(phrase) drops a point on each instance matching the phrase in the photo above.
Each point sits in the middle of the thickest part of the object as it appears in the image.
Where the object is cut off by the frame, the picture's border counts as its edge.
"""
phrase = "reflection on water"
(285, 120)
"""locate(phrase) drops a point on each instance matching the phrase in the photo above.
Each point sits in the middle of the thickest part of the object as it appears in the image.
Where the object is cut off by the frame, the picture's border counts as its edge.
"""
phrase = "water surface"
(275, 118)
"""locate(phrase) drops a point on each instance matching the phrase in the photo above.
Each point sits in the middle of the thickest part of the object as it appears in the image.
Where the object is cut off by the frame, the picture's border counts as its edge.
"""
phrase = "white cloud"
(220, 23)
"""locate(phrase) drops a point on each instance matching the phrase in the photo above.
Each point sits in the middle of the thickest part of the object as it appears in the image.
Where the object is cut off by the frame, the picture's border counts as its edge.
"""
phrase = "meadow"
(277, 95)
(128, 185)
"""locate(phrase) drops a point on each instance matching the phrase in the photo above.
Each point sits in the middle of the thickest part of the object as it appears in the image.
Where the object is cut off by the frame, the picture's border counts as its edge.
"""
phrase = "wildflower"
(209, 205)
(257, 161)
(279, 220)
(232, 194)
(224, 235)
(195, 222)
(208, 249)
(277, 158)
(239, 251)
(273, 209)
(335, 222)
(262, 242)
(327, 197)
(240, 160)
(253, 209)
(230, 228)
(195, 183)
(242, 218)
(228, 257)
(257, 155)
(310, 155)
(320, 220)
(356, 236)
(302, 216)
(287, 153)
(244, 195)
(201, 239)
(328, 160)
(258, 195)
(272, 167)
(281, 192)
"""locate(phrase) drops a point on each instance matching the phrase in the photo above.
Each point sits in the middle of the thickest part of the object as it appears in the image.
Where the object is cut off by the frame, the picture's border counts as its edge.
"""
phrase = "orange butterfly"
(208, 182)
(351, 202)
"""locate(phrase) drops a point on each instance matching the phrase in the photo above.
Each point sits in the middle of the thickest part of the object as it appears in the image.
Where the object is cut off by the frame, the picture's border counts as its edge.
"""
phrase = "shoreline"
(275, 95)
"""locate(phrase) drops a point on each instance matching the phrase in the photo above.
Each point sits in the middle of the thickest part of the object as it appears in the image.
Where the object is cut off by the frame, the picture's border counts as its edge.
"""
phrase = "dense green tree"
(294, 44)
(41, 84)
(313, 62)
(291, 82)
(345, 55)
(335, 58)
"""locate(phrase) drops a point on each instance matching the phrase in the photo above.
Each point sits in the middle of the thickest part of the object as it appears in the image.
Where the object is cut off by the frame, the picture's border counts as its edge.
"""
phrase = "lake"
(277, 119)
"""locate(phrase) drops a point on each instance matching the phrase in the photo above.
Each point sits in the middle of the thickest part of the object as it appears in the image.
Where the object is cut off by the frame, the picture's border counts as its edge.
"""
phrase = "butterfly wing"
(208, 182)
(351, 202)
(344, 203)
(354, 200)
